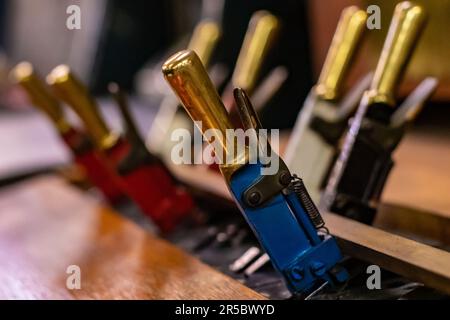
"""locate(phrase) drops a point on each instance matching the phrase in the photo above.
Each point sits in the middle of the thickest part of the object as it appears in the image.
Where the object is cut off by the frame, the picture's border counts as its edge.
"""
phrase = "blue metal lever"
(282, 221)
(304, 257)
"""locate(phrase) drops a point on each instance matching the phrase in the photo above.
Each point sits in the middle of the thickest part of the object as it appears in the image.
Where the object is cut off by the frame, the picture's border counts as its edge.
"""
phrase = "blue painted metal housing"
(284, 229)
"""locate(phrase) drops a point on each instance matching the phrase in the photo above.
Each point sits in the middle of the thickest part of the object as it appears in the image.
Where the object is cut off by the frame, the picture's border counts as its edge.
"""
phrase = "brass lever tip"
(412, 8)
(59, 74)
(178, 61)
(21, 72)
(24, 75)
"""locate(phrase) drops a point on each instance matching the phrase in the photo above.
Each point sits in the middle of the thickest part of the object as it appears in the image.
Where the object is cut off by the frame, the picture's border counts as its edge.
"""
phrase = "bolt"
(339, 273)
(317, 268)
(297, 273)
(285, 178)
(254, 198)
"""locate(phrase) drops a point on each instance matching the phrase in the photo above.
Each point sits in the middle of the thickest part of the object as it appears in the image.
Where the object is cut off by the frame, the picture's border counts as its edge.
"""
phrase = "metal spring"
(299, 188)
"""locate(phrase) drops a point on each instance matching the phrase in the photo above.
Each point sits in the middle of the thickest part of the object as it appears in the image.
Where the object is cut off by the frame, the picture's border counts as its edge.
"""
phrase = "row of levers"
(266, 228)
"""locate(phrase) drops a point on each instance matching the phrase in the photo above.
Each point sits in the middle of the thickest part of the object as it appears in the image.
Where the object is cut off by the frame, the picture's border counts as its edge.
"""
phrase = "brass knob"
(191, 83)
(69, 89)
(258, 39)
(406, 25)
(346, 39)
(204, 40)
(24, 75)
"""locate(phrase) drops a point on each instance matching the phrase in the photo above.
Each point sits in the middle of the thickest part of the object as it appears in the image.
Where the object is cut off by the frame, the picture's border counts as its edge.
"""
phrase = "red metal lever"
(94, 164)
(146, 179)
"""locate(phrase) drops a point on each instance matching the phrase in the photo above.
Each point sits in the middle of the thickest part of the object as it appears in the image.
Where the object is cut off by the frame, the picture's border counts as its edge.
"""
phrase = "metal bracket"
(267, 187)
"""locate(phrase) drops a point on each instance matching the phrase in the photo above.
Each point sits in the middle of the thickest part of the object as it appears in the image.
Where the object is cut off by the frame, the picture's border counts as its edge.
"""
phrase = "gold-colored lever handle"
(346, 39)
(70, 90)
(204, 40)
(406, 25)
(189, 80)
(258, 39)
(24, 75)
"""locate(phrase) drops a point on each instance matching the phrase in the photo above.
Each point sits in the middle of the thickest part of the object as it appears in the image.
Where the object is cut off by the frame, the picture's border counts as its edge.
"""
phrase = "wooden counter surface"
(420, 178)
(415, 206)
(46, 226)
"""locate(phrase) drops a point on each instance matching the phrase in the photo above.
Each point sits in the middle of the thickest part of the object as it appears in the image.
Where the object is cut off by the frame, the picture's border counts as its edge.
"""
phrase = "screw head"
(318, 268)
(339, 273)
(254, 198)
(297, 273)
(285, 178)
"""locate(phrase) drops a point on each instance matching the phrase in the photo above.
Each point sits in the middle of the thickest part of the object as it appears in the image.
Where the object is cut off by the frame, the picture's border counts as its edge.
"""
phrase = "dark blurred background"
(119, 38)
(126, 41)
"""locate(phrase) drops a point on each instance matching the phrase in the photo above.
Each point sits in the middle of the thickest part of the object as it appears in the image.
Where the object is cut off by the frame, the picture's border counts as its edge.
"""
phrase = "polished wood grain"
(411, 259)
(47, 225)
(421, 175)
(416, 200)
(424, 226)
